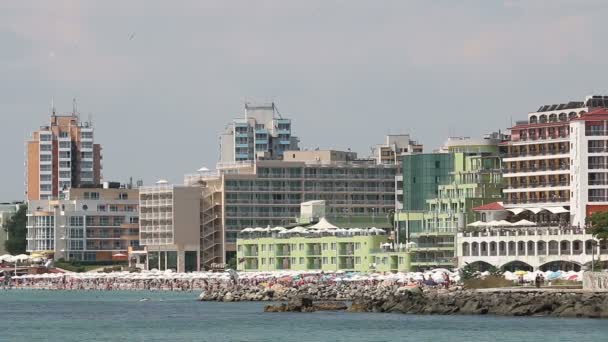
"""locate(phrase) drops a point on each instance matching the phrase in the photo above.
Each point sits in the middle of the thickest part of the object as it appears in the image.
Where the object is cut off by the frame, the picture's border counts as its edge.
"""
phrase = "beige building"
(170, 226)
(87, 224)
(358, 193)
(60, 156)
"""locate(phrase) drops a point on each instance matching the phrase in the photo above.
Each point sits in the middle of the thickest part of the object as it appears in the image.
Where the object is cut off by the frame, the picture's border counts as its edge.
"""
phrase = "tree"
(17, 232)
(599, 225)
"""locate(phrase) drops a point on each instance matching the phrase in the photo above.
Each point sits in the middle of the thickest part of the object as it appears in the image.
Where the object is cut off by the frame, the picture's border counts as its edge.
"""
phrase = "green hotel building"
(323, 253)
(439, 191)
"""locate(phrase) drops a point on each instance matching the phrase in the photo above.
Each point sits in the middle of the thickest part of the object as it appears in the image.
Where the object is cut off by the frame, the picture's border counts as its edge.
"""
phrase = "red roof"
(598, 114)
(490, 207)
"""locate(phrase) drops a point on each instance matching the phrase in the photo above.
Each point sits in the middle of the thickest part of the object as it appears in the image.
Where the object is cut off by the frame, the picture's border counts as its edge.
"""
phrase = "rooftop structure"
(396, 145)
(262, 134)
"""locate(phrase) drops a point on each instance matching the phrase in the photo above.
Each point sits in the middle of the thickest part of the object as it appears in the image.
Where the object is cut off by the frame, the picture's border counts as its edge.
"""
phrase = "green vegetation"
(599, 225)
(17, 232)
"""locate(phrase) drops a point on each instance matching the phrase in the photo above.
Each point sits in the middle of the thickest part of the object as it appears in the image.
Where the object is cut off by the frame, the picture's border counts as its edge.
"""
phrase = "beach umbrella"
(476, 224)
(524, 223)
(6, 257)
(21, 257)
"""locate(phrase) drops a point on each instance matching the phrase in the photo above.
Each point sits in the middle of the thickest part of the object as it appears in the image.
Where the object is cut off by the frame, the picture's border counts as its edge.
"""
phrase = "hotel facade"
(86, 224)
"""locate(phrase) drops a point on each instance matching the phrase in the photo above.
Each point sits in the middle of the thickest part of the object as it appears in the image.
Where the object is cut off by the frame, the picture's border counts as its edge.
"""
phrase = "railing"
(598, 166)
(536, 168)
(598, 199)
(537, 185)
(536, 153)
(597, 150)
(536, 200)
(593, 132)
(598, 182)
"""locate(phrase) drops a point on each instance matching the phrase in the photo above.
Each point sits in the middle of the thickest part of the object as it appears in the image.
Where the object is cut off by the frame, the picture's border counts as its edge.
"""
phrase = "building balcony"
(531, 186)
(548, 152)
(546, 168)
(553, 201)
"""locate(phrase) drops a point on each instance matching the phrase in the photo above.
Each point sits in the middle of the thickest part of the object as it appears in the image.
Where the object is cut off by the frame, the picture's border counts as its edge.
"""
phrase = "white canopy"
(524, 223)
(277, 229)
(535, 210)
(557, 210)
(476, 224)
(500, 223)
(323, 224)
(21, 257)
(6, 257)
(247, 230)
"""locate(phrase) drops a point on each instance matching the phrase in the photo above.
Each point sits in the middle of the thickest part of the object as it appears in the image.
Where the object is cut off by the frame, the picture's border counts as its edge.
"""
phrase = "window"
(46, 167)
(104, 221)
(45, 137)
(86, 135)
(301, 261)
(113, 208)
(46, 157)
(263, 260)
(76, 221)
(263, 248)
(301, 247)
(271, 248)
(293, 261)
(325, 260)
(65, 144)
(123, 196)
(325, 246)
(358, 260)
(65, 154)
(46, 178)
(65, 164)
(333, 246)
(333, 260)
(46, 147)
(271, 261)
(101, 207)
(65, 174)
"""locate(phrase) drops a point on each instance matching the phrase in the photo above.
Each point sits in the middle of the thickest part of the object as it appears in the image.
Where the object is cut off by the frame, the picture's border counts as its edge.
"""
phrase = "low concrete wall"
(595, 281)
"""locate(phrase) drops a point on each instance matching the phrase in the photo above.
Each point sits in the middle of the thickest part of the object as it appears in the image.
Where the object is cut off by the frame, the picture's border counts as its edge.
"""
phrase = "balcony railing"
(536, 153)
(537, 168)
(594, 132)
(537, 185)
(536, 200)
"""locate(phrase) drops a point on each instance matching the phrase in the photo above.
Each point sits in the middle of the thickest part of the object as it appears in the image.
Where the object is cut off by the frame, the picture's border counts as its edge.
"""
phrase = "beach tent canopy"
(247, 230)
(557, 210)
(476, 224)
(524, 223)
(323, 224)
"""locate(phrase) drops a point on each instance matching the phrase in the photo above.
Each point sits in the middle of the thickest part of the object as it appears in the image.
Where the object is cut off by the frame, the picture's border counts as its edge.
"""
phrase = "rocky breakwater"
(279, 293)
(499, 302)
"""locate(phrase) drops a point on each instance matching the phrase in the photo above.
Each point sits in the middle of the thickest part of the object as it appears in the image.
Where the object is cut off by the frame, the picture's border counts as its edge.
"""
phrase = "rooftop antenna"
(53, 105)
(74, 107)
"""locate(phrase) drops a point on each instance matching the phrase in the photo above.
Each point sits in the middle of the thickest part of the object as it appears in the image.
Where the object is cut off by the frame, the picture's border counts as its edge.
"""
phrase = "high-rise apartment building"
(60, 156)
(262, 134)
(87, 224)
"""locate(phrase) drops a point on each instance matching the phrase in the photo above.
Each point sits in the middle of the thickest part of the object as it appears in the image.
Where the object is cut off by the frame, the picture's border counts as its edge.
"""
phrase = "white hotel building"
(556, 175)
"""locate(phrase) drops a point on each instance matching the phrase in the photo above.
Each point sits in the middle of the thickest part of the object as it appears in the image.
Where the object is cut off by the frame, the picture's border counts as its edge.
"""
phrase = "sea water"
(31, 315)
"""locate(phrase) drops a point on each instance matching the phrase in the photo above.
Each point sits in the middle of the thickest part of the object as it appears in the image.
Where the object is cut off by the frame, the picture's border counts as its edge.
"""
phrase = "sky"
(161, 79)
